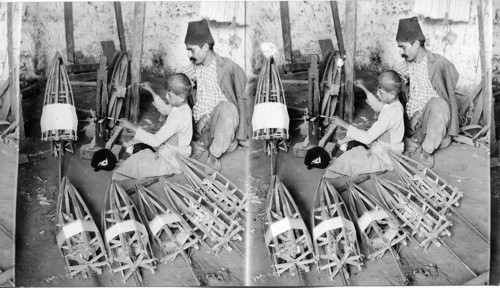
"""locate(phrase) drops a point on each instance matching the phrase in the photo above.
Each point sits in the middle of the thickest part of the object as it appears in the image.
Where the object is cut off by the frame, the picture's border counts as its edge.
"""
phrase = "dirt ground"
(8, 175)
(39, 262)
(463, 166)
(38, 259)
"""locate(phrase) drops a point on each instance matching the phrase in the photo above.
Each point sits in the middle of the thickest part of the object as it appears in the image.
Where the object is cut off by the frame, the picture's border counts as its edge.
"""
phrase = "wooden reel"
(78, 237)
(426, 183)
(127, 241)
(203, 216)
(168, 229)
(416, 215)
(379, 229)
(334, 234)
(58, 91)
(215, 187)
(287, 238)
(270, 90)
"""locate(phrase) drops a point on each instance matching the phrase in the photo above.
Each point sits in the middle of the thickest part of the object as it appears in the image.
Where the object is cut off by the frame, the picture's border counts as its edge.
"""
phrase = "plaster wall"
(166, 23)
(495, 62)
(165, 28)
(377, 22)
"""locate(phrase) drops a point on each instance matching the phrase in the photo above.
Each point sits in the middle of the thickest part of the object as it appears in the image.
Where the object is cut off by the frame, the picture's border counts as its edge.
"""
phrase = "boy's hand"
(147, 86)
(360, 83)
(128, 125)
(339, 122)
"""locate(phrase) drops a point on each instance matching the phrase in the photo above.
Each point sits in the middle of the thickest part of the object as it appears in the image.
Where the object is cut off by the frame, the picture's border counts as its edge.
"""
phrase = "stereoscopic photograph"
(249, 143)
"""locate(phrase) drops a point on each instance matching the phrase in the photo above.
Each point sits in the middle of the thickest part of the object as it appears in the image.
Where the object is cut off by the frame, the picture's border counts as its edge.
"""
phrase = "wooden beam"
(68, 27)
(119, 26)
(137, 46)
(285, 30)
(484, 15)
(350, 50)
(88, 76)
(101, 103)
(80, 83)
(313, 100)
(296, 67)
(114, 138)
(295, 76)
(79, 68)
(14, 23)
(338, 28)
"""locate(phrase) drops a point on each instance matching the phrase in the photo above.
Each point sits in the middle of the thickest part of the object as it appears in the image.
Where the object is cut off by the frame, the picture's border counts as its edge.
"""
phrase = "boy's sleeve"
(377, 129)
(166, 131)
(374, 103)
(161, 106)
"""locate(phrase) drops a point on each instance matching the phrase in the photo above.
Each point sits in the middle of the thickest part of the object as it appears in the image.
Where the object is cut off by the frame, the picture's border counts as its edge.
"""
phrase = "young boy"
(173, 137)
(385, 135)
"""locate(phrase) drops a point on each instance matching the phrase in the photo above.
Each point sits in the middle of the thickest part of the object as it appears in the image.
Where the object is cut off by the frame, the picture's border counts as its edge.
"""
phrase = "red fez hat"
(198, 33)
(409, 30)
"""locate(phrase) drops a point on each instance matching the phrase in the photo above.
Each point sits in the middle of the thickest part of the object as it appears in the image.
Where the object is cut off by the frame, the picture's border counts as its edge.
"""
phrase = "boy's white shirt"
(161, 106)
(374, 103)
(178, 125)
(390, 119)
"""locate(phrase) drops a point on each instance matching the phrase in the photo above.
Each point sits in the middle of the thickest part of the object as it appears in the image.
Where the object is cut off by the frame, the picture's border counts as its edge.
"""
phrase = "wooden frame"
(426, 183)
(334, 234)
(215, 187)
(287, 238)
(78, 237)
(126, 237)
(270, 90)
(204, 216)
(169, 230)
(416, 215)
(379, 228)
(59, 91)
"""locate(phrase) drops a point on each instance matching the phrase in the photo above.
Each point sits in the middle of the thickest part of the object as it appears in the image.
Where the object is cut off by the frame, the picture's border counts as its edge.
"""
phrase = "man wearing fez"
(431, 104)
(220, 109)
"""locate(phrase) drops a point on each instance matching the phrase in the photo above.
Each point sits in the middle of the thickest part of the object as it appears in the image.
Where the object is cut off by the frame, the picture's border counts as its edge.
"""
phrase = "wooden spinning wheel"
(117, 76)
(330, 84)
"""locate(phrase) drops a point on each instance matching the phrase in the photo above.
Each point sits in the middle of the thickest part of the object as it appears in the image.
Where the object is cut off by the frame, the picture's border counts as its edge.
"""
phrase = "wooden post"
(119, 25)
(101, 103)
(314, 100)
(350, 46)
(14, 18)
(285, 30)
(338, 28)
(137, 45)
(484, 14)
(68, 27)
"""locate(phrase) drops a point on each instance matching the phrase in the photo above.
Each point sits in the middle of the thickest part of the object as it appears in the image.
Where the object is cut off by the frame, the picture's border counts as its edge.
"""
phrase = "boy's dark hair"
(179, 84)
(390, 82)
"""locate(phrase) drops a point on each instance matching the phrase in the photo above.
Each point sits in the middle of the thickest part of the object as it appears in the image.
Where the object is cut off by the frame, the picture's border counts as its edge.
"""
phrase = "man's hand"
(339, 122)
(128, 125)
(415, 121)
(201, 125)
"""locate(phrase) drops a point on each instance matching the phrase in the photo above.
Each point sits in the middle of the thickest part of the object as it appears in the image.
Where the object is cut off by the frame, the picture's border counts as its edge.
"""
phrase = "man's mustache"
(192, 59)
(404, 56)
